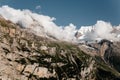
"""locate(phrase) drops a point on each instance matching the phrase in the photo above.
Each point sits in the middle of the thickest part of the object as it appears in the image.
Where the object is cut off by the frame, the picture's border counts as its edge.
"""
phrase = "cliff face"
(25, 56)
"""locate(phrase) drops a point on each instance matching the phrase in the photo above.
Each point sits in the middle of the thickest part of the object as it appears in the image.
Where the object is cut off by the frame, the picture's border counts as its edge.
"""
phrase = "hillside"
(26, 56)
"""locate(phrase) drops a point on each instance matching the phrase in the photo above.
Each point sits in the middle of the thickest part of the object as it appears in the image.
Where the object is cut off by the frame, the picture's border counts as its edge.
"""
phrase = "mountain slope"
(26, 56)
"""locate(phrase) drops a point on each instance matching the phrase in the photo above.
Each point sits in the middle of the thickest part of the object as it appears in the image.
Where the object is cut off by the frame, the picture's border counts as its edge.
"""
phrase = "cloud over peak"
(44, 25)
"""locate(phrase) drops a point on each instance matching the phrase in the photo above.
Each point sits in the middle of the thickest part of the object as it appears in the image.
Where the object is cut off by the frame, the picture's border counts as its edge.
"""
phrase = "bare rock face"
(26, 56)
(105, 52)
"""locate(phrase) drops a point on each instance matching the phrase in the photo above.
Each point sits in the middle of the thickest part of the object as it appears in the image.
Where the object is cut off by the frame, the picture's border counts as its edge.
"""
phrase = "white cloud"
(41, 24)
(101, 30)
(44, 25)
(38, 7)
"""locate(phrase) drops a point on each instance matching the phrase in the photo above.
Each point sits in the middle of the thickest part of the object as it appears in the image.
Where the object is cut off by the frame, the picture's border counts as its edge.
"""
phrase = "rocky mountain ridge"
(26, 56)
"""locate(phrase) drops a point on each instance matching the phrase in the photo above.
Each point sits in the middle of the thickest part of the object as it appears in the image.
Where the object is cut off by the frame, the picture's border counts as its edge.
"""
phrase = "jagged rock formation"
(26, 56)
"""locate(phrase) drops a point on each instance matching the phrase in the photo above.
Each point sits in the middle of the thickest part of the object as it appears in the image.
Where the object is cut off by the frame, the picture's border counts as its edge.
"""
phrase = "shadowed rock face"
(112, 55)
(25, 56)
(105, 51)
(109, 52)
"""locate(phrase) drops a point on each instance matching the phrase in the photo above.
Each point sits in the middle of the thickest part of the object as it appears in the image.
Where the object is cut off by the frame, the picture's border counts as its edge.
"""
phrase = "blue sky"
(78, 12)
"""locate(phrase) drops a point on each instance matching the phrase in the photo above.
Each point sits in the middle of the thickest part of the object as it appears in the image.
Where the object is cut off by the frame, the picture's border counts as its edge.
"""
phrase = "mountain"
(27, 56)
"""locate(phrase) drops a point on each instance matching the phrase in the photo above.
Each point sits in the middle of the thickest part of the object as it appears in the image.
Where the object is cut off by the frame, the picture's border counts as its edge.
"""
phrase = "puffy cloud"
(43, 25)
(101, 30)
(40, 24)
